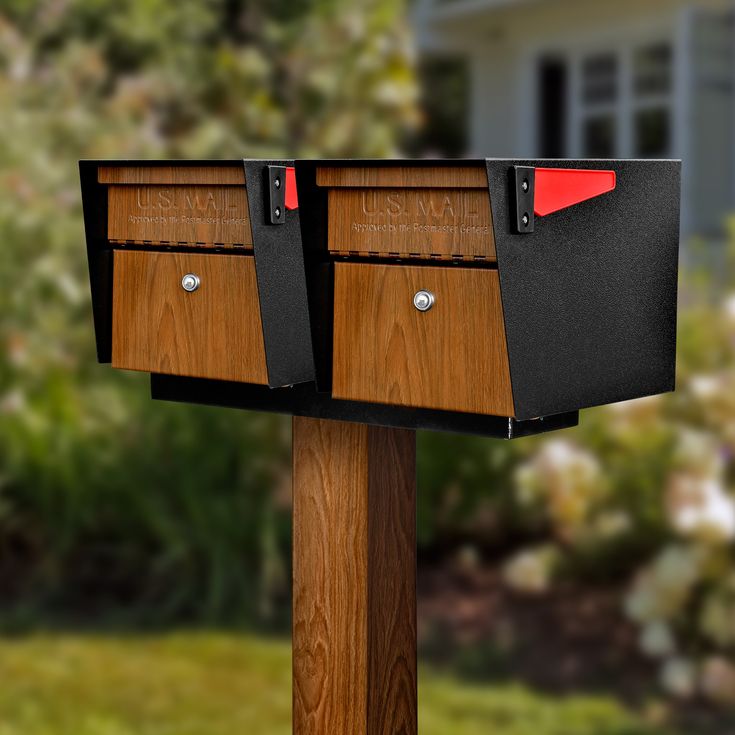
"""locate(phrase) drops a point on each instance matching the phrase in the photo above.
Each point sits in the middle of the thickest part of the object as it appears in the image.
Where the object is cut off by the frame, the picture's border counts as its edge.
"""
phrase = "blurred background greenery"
(578, 583)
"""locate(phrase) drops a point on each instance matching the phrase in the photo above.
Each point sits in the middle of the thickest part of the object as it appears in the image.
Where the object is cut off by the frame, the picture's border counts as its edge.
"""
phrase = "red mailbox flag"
(292, 196)
(559, 188)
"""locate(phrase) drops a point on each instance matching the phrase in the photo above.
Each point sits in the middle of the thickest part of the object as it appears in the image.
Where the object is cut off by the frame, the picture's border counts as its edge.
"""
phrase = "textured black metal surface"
(319, 268)
(99, 257)
(279, 266)
(589, 298)
(304, 400)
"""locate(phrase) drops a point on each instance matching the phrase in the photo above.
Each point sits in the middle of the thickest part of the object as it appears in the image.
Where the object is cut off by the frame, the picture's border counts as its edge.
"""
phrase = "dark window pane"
(552, 120)
(652, 69)
(444, 103)
(599, 137)
(600, 78)
(652, 130)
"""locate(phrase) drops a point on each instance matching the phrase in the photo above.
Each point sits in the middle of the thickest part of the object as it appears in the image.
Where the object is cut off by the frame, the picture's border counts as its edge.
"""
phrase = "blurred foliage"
(109, 503)
(190, 684)
(113, 505)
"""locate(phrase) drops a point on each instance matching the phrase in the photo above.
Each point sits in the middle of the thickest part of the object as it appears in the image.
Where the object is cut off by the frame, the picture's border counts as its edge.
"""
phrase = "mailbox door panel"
(212, 332)
(452, 357)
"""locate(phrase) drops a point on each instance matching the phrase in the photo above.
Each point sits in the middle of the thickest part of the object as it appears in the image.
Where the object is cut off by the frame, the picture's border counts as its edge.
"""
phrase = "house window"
(652, 86)
(600, 81)
(615, 103)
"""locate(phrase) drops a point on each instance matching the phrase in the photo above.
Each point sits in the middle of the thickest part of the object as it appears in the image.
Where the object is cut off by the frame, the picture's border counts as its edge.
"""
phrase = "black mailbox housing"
(548, 308)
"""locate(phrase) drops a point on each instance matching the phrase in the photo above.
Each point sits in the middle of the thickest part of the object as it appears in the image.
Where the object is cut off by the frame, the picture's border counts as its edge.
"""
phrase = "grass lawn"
(222, 684)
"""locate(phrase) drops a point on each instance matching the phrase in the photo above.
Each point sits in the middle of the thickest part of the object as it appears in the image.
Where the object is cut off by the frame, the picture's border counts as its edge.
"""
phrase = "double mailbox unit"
(494, 297)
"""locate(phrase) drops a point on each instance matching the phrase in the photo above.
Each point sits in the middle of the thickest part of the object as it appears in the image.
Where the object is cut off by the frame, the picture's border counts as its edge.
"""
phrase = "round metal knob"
(190, 282)
(423, 300)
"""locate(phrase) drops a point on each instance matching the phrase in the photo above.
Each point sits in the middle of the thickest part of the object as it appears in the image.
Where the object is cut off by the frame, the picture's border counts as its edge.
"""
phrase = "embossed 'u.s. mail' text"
(421, 220)
(196, 214)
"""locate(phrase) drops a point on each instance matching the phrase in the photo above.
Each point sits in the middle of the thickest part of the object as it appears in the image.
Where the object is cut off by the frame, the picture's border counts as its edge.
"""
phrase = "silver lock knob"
(423, 300)
(190, 282)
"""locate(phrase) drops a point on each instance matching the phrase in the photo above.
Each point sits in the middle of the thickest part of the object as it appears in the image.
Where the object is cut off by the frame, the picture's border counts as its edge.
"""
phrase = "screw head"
(277, 182)
(423, 300)
(190, 282)
(525, 219)
(525, 186)
(277, 212)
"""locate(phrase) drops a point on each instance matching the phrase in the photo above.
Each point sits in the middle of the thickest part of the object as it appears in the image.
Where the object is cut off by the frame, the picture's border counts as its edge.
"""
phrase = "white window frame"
(623, 42)
(627, 104)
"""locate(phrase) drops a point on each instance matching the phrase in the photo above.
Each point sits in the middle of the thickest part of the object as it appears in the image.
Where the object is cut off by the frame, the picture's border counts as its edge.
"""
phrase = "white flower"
(656, 640)
(530, 571)
(677, 567)
(567, 478)
(701, 507)
(663, 588)
(718, 680)
(560, 455)
(705, 386)
(717, 617)
(678, 678)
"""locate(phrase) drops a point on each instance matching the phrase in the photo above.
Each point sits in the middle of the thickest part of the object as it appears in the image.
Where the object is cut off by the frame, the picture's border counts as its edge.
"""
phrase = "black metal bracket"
(276, 194)
(523, 181)
(305, 400)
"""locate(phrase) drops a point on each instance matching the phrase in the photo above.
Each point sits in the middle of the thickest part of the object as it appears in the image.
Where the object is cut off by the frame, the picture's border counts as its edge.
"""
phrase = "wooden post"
(354, 586)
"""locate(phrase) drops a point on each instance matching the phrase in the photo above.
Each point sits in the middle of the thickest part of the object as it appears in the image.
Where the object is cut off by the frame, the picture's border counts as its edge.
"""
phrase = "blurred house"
(598, 78)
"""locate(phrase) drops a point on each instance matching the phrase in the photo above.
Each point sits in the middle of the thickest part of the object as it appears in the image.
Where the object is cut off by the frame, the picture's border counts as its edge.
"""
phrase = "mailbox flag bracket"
(282, 194)
(276, 188)
(523, 179)
(559, 188)
(542, 191)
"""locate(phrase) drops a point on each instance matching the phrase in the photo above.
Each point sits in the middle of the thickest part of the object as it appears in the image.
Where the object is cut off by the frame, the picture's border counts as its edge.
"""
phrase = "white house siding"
(493, 118)
(712, 123)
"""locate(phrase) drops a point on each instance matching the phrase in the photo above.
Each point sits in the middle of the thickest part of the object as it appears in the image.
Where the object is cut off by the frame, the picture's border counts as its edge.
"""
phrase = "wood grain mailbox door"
(213, 331)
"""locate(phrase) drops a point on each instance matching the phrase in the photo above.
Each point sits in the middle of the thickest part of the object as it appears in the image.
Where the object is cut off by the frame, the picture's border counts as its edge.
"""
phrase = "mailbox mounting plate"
(276, 188)
(523, 182)
(305, 400)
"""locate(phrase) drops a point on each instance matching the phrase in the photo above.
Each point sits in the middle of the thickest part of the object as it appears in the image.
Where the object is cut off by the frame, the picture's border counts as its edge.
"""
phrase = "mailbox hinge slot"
(523, 184)
(276, 194)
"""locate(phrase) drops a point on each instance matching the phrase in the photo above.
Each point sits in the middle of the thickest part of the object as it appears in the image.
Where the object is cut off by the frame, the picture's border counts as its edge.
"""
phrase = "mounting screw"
(524, 186)
(190, 282)
(525, 219)
(423, 300)
(277, 182)
(277, 212)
